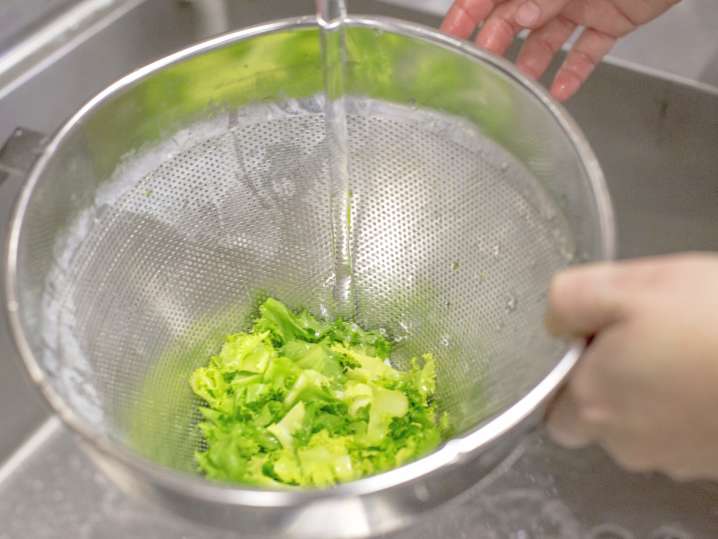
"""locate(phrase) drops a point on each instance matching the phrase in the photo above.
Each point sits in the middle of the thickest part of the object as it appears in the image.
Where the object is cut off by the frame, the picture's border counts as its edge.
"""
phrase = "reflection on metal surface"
(212, 16)
(20, 151)
(26, 451)
(548, 494)
(609, 531)
(59, 36)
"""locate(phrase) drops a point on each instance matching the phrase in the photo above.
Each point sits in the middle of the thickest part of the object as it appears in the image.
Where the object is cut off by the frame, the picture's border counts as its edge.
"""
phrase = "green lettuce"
(300, 402)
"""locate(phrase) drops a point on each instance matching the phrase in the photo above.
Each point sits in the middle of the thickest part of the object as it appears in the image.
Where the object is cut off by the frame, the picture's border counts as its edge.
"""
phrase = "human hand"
(551, 24)
(646, 388)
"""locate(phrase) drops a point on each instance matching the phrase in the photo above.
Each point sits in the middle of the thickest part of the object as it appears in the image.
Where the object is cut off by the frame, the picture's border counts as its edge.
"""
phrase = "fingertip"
(587, 52)
(565, 86)
(483, 40)
(528, 15)
(564, 439)
(557, 318)
(682, 474)
(567, 436)
(528, 68)
(496, 36)
(457, 23)
(553, 324)
(563, 423)
(582, 300)
(562, 290)
(541, 45)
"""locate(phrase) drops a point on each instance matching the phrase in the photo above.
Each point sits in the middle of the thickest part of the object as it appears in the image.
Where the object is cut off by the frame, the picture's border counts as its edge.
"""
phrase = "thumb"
(536, 13)
(585, 299)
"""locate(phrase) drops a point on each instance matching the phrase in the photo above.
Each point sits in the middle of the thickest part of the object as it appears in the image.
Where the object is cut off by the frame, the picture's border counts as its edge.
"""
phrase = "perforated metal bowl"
(163, 211)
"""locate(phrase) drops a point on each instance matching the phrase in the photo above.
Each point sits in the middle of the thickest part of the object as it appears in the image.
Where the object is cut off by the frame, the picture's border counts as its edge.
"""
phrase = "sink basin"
(656, 140)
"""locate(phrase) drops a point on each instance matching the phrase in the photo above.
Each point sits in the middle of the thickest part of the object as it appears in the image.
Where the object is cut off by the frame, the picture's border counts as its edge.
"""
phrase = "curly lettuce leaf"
(300, 402)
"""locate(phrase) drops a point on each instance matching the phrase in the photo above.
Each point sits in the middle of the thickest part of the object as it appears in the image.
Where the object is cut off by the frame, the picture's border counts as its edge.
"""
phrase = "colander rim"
(454, 451)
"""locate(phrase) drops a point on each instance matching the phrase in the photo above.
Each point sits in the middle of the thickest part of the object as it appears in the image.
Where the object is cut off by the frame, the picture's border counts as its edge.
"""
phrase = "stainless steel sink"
(657, 140)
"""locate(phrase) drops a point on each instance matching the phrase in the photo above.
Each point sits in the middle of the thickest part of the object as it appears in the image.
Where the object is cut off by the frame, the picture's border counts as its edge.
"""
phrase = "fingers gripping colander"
(167, 207)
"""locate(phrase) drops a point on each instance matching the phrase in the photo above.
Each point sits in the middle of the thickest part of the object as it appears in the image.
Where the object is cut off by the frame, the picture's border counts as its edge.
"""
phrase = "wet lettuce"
(299, 402)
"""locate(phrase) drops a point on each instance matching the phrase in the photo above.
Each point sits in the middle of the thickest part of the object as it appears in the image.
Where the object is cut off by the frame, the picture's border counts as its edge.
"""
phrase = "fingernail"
(529, 68)
(565, 87)
(528, 14)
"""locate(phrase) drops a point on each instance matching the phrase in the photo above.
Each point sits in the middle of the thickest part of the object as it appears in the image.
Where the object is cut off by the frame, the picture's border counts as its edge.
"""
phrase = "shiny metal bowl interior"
(174, 201)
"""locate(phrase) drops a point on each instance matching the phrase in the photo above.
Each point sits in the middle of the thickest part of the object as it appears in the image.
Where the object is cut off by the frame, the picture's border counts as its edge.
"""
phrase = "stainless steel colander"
(174, 201)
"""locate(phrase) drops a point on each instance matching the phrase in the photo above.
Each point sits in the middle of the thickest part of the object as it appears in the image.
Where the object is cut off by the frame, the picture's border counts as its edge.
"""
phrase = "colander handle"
(19, 152)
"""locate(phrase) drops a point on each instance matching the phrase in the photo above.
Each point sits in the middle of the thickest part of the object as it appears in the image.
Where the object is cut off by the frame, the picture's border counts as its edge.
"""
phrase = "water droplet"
(566, 251)
(582, 256)
(406, 328)
(609, 531)
(455, 265)
(504, 166)
(496, 250)
(549, 213)
(670, 532)
(511, 303)
(421, 492)
(445, 341)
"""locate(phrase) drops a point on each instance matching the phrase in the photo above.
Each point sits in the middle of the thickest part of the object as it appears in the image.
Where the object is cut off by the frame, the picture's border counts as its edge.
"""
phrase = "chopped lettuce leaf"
(303, 403)
(351, 335)
(326, 460)
(290, 423)
(286, 468)
(309, 383)
(284, 326)
(246, 353)
(367, 367)
(357, 396)
(317, 357)
(209, 384)
(386, 404)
